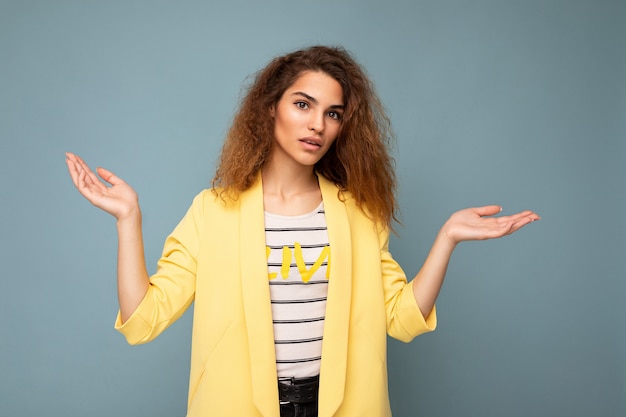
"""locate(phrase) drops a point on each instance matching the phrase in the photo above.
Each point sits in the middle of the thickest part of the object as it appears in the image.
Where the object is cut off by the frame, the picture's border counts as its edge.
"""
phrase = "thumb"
(488, 210)
(108, 176)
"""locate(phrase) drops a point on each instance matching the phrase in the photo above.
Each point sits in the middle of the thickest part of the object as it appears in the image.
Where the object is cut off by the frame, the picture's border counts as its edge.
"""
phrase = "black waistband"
(298, 390)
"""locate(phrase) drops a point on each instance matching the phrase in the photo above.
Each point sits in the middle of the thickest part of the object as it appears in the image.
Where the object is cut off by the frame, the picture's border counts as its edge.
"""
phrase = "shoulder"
(359, 218)
(330, 190)
(210, 202)
(214, 197)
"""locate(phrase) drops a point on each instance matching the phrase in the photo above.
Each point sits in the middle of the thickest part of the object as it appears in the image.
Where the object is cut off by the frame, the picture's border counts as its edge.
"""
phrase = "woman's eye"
(334, 115)
(302, 105)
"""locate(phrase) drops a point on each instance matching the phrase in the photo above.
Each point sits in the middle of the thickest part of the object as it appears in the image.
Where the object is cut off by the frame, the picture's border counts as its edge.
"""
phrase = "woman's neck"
(290, 192)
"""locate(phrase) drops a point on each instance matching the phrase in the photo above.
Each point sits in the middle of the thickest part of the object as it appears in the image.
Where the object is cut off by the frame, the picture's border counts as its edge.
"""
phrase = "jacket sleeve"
(404, 318)
(172, 287)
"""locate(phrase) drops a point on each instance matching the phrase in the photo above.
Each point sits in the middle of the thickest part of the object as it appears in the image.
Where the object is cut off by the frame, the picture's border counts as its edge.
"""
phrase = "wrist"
(132, 216)
(445, 238)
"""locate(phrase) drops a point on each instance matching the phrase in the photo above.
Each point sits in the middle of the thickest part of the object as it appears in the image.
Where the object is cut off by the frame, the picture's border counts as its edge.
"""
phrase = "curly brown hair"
(358, 161)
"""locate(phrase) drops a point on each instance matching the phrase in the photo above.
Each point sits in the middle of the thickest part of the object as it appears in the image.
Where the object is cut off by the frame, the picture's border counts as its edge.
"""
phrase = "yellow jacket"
(216, 256)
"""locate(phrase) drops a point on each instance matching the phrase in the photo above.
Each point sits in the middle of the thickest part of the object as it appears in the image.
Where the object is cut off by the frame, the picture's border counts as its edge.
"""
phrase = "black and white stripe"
(298, 307)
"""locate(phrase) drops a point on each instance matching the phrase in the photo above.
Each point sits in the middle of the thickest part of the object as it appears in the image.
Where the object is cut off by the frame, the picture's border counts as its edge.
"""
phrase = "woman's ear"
(272, 111)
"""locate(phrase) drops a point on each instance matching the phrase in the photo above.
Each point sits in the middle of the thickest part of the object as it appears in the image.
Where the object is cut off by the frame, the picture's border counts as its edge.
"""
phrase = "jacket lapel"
(336, 324)
(256, 297)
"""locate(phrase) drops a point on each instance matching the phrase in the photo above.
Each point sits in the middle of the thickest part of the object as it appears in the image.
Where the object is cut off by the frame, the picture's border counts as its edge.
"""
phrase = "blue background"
(519, 103)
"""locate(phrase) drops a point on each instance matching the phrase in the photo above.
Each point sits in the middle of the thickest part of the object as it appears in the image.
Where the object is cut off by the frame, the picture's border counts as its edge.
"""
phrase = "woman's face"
(307, 119)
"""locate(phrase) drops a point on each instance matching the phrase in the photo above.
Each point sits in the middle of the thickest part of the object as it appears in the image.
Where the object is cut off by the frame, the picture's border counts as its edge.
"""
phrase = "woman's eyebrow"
(314, 100)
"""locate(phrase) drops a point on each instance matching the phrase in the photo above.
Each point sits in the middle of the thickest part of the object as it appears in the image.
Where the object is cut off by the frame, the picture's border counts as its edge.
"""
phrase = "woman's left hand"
(474, 223)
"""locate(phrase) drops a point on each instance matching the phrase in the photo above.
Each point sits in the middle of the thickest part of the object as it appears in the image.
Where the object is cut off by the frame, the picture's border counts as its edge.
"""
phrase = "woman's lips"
(312, 142)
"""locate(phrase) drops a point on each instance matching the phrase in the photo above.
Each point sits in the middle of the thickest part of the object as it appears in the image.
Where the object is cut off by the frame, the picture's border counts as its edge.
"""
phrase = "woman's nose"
(316, 123)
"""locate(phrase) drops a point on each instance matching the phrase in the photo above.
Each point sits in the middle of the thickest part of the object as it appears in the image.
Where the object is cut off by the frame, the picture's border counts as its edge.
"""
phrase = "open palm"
(119, 199)
(475, 223)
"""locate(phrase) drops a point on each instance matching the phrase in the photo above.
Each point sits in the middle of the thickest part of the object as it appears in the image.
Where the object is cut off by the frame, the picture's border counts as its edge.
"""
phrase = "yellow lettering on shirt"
(284, 269)
(305, 274)
(271, 275)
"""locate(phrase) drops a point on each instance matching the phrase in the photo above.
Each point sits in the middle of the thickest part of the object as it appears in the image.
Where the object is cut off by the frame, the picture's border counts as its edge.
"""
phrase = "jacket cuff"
(417, 324)
(136, 329)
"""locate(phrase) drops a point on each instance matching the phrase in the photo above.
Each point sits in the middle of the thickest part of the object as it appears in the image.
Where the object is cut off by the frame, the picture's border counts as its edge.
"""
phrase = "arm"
(121, 201)
(464, 225)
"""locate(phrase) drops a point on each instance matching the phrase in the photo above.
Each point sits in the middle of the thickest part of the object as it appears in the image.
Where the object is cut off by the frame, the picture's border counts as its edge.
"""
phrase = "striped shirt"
(298, 255)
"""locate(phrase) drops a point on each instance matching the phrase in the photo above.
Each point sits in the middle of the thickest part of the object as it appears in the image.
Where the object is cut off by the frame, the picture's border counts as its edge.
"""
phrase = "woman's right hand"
(119, 199)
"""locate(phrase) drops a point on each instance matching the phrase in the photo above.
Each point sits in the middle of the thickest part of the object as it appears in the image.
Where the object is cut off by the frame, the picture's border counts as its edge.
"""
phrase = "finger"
(92, 192)
(82, 187)
(90, 179)
(517, 216)
(109, 177)
(515, 226)
(72, 164)
(83, 165)
(512, 226)
(84, 180)
(71, 167)
(77, 173)
(79, 164)
(487, 210)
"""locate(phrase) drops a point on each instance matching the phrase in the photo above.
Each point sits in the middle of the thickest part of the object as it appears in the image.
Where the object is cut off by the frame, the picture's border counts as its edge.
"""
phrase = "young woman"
(287, 255)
